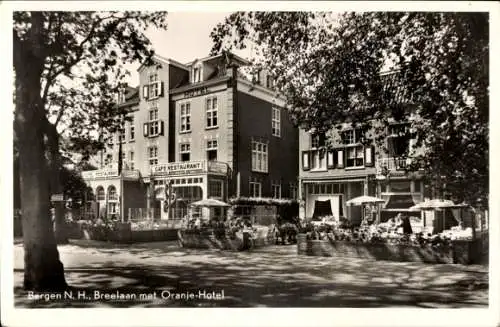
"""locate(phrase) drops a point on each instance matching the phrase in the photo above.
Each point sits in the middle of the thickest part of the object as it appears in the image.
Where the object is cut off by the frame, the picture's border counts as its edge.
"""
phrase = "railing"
(391, 164)
(190, 167)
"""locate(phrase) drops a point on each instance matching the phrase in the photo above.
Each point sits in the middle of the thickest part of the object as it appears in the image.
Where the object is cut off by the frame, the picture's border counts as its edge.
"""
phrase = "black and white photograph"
(212, 155)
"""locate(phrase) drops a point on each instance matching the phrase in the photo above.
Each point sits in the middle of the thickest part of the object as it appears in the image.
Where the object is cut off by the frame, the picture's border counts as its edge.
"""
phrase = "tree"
(329, 67)
(68, 68)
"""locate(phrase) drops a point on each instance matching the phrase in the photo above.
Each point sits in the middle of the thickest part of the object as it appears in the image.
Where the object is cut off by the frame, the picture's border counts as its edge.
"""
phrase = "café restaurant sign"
(181, 168)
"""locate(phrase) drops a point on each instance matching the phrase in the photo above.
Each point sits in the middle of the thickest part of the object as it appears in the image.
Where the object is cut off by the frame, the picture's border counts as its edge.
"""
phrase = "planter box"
(124, 234)
(208, 240)
(462, 252)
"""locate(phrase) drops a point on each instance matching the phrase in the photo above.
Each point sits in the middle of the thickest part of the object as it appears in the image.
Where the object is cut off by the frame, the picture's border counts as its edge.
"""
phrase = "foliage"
(260, 201)
(328, 68)
(68, 68)
(83, 56)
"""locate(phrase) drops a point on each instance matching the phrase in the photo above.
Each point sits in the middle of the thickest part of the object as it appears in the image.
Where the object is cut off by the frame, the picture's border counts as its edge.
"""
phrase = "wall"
(199, 133)
(255, 117)
(143, 143)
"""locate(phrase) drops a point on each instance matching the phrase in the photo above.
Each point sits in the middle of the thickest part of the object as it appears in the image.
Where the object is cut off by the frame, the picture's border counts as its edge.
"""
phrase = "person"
(406, 225)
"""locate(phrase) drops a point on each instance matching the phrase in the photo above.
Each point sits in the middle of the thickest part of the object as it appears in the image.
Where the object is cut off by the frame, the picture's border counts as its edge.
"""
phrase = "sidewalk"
(274, 277)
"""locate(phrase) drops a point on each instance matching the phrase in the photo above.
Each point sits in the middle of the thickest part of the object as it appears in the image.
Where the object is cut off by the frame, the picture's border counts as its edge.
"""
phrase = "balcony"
(190, 167)
(391, 164)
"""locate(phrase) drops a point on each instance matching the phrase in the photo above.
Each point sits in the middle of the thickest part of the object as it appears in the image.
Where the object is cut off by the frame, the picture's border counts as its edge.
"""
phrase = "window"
(185, 152)
(131, 160)
(212, 150)
(101, 195)
(399, 140)
(153, 122)
(186, 117)
(197, 74)
(121, 135)
(276, 190)
(154, 87)
(317, 140)
(112, 208)
(131, 130)
(276, 122)
(211, 110)
(294, 194)
(215, 189)
(255, 189)
(108, 159)
(259, 157)
(269, 82)
(153, 155)
(355, 156)
(112, 196)
(318, 160)
(256, 77)
(318, 155)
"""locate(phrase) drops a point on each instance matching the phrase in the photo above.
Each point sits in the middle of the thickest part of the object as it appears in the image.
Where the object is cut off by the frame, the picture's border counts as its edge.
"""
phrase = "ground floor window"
(112, 208)
(293, 191)
(185, 195)
(215, 188)
(325, 188)
(255, 189)
(276, 190)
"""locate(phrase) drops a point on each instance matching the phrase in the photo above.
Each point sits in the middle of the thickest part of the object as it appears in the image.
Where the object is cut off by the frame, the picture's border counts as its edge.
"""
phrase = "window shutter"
(306, 160)
(146, 129)
(160, 89)
(330, 159)
(145, 92)
(340, 158)
(369, 156)
(162, 127)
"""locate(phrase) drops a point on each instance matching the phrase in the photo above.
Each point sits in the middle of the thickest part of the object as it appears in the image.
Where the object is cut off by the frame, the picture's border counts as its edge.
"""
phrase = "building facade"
(331, 175)
(196, 131)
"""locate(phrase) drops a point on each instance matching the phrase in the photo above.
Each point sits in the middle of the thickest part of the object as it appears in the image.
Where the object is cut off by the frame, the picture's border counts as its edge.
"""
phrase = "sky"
(187, 37)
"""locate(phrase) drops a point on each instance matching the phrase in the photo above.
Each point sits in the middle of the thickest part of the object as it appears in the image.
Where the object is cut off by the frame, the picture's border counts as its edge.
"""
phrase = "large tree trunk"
(43, 271)
(55, 183)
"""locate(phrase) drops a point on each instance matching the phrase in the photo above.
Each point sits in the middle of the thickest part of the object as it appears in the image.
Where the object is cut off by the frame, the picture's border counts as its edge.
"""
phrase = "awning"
(210, 203)
(400, 202)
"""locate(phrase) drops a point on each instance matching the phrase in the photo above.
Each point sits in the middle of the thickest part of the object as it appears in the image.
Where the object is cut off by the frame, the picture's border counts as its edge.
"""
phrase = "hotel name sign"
(181, 168)
(196, 92)
(101, 173)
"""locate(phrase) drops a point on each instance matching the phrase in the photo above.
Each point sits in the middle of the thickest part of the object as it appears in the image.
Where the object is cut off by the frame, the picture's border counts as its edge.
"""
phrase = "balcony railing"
(190, 167)
(391, 164)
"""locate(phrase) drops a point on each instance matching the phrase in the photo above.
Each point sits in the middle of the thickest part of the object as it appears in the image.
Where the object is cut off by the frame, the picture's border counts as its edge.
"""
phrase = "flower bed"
(232, 236)
(118, 232)
(370, 242)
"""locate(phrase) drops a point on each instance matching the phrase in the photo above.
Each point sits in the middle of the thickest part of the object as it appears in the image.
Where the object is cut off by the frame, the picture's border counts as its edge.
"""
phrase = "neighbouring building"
(348, 169)
(202, 130)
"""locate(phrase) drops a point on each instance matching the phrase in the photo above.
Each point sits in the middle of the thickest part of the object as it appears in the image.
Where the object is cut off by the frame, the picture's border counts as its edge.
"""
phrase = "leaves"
(329, 67)
(84, 54)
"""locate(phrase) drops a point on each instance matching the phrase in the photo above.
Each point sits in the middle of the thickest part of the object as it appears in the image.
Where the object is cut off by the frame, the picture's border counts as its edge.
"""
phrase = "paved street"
(273, 277)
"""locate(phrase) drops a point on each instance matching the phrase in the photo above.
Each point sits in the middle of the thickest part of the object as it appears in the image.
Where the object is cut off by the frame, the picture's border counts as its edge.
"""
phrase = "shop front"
(327, 198)
(177, 185)
(113, 193)
(400, 195)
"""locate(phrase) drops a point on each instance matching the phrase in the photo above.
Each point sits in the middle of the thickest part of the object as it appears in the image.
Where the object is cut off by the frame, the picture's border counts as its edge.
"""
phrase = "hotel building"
(349, 168)
(203, 129)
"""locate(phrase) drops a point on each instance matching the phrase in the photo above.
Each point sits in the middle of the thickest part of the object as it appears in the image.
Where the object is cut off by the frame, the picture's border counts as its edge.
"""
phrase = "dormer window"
(197, 73)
